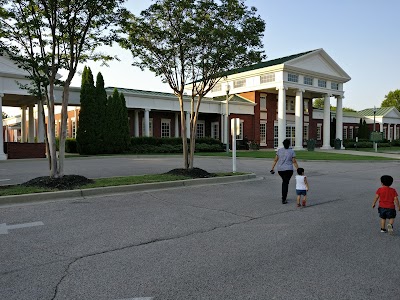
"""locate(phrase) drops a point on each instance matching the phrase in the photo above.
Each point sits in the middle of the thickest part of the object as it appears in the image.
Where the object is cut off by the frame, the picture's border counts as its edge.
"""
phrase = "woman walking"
(285, 159)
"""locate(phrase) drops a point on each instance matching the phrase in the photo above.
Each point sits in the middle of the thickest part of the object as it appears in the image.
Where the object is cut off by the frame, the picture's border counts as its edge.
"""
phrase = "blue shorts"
(386, 213)
(301, 192)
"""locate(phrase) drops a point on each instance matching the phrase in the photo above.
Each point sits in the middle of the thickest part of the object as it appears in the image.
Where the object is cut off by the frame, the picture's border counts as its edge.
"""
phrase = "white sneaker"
(390, 228)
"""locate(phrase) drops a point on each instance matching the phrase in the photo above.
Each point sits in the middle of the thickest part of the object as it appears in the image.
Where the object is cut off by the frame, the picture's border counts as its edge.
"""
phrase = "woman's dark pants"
(285, 175)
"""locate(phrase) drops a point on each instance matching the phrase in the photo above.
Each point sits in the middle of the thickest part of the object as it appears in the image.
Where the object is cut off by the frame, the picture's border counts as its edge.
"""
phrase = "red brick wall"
(25, 150)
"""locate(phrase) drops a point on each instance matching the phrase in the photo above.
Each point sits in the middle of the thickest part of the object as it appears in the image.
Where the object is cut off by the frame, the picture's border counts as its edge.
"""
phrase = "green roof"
(140, 92)
(381, 111)
(266, 64)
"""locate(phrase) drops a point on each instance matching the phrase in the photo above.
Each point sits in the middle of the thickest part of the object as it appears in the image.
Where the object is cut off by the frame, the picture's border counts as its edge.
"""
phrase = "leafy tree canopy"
(392, 99)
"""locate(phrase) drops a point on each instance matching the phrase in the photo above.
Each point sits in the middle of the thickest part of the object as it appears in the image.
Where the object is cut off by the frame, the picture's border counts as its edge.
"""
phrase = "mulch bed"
(193, 173)
(70, 182)
(67, 182)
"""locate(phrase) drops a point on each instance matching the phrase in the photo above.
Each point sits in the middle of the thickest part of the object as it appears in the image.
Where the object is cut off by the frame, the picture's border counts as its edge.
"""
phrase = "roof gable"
(320, 62)
(390, 112)
(8, 67)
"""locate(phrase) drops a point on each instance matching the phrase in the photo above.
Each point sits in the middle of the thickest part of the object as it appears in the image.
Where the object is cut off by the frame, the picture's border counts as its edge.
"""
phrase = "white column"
(299, 111)
(222, 135)
(281, 115)
(339, 118)
(136, 122)
(327, 123)
(23, 124)
(147, 122)
(394, 132)
(40, 125)
(177, 129)
(31, 125)
(381, 128)
(388, 131)
(3, 156)
(188, 124)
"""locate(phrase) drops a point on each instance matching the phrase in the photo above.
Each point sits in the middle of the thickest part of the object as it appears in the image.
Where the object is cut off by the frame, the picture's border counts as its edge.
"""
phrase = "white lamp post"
(227, 118)
(375, 144)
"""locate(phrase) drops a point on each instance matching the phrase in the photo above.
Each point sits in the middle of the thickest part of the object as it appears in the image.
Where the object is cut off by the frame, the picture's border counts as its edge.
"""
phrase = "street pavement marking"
(4, 227)
(4, 179)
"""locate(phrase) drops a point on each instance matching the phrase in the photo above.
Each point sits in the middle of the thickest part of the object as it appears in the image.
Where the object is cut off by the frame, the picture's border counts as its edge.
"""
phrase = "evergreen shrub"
(71, 146)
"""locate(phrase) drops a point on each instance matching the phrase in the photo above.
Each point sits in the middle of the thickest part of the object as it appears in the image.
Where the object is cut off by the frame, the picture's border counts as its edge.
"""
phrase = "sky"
(362, 36)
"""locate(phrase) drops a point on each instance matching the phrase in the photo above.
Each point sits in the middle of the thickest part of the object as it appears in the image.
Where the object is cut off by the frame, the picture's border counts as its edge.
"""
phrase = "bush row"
(142, 145)
(367, 144)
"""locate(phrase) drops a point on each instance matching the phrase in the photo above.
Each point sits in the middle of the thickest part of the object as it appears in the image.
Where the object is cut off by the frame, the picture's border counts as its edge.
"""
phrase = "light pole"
(375, 145)
(227, 118)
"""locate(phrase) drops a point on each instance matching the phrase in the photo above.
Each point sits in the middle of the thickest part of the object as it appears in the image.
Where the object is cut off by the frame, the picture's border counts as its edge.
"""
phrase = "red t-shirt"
(386, 196)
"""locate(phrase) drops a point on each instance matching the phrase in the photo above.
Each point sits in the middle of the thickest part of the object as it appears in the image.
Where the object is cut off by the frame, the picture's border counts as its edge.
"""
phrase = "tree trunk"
(63, 135)
(183, 133)
(193, 127)
(46, 136)
(51, 131)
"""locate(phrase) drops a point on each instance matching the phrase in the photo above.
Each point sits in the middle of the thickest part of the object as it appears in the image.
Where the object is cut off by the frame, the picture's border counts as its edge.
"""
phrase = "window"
(345, 132)
(263, 102)
(293, 77)
(263, 133)
(351, 133)
(267, 78)
(150, 127)
(200, 130)
(275, 136)
(289, 104)
(215, 130)
(165, 128)
(217, 88)
(305, 132)
(239, 83)
(73, 129)
(56, 128)
(384, 133)
(305, 106)
(240, 136)
(308, 80)
(322, 83)
(334, 86)
(319, 135)
(291, 134)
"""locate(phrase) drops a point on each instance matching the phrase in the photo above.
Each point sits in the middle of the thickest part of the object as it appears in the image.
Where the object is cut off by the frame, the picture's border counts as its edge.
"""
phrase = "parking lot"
(223, 241)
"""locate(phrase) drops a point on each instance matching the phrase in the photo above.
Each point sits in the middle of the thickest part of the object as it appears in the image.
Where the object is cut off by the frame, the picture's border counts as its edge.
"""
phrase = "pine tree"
(124, 124)
(85, 136)
(100, 113)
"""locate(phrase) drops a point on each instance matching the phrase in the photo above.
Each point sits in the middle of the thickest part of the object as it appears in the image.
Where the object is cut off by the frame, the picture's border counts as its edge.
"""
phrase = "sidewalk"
(362, 153)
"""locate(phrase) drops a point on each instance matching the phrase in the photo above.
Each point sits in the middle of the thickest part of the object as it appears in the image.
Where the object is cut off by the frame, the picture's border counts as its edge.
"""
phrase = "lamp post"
(375, 145)
(227, 118)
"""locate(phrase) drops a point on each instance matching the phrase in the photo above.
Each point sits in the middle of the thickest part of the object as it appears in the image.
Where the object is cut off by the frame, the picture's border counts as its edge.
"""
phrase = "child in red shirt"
(387, 197)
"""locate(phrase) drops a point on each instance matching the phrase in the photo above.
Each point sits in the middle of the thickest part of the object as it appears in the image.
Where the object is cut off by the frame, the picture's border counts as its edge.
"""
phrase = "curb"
(83, 193)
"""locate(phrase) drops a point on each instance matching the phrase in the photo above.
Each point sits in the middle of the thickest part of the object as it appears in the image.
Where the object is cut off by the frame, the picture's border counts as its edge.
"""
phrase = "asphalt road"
(228, 241)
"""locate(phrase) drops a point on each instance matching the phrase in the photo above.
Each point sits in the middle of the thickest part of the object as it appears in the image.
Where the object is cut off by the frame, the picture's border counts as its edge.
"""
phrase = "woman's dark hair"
(286, 143)
(387, 180)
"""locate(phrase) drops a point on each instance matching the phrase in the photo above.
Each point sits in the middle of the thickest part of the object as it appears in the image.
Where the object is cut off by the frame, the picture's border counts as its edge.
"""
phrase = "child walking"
(387, 197)
(301, 187)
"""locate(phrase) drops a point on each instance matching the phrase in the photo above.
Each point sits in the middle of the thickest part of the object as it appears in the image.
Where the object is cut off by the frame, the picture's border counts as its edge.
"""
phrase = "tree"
(4, 115)
(86, 138)
(100, 112)
(46, 36)
(392, 99)
(194, 42)
(117, 133)
(319, 103)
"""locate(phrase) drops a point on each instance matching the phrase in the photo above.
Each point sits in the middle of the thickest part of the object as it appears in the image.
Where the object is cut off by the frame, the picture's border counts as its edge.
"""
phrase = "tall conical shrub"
(100, 113)
(85, 135)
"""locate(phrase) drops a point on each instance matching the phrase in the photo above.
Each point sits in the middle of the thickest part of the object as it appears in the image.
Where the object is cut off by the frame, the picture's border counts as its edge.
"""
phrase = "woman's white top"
(300, 182)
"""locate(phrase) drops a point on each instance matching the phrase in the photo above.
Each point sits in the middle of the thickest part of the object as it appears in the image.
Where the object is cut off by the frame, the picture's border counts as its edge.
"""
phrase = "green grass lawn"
(104, 182)
(302, 155)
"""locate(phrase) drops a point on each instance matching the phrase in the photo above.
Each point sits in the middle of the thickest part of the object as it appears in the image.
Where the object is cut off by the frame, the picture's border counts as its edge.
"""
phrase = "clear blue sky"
(362, 36)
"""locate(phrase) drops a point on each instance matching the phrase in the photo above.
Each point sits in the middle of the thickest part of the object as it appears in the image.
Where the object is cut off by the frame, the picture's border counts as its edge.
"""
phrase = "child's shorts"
(386, 213)
(301, 192)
